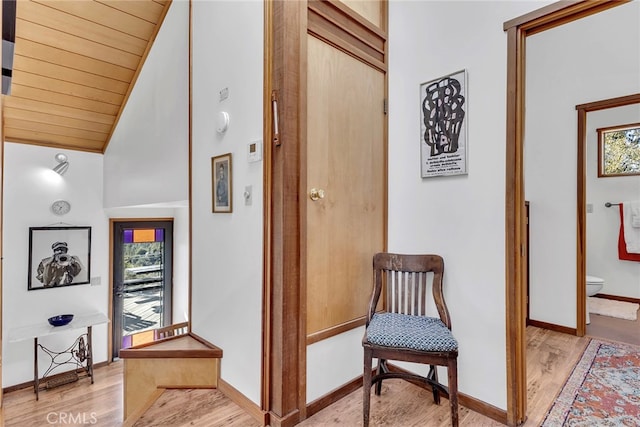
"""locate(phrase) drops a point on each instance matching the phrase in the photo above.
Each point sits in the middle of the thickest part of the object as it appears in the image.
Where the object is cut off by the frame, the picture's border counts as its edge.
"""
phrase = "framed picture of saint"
(222, 197)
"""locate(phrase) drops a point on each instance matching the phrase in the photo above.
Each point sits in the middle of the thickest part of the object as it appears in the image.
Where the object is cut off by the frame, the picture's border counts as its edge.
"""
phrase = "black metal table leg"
(36, 379)
(89, 354)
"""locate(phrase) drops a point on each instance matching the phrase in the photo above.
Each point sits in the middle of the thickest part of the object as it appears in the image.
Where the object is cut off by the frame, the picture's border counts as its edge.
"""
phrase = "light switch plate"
(248, 195)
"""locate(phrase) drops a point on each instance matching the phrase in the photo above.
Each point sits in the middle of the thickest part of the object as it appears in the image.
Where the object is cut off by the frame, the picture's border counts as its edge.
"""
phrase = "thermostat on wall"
(254, 151)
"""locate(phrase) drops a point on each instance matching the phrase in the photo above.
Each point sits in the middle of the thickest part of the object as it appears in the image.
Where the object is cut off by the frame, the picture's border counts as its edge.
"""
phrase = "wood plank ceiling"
(74, 65)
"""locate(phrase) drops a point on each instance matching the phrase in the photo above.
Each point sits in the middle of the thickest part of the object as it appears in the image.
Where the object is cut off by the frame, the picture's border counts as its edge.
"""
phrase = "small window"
(619, 150)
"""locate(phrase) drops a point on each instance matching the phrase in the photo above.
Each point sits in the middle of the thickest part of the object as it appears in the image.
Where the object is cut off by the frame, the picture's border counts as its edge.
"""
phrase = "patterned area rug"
(602, 390)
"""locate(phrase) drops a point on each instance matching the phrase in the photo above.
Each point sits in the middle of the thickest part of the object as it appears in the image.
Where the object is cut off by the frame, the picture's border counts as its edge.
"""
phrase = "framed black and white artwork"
(59, 256)
(443, 125)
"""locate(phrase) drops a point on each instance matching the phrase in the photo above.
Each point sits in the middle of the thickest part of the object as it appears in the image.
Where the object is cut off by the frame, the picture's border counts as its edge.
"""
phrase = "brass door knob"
(316, 194)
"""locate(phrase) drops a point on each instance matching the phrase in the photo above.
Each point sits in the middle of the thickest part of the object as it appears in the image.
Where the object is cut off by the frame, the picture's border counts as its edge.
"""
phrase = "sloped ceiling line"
(74, 66)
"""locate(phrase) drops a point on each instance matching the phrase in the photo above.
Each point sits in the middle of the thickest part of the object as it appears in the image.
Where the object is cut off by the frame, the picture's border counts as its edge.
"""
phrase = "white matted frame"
(443, 126)
(59, 256)
(221, 181)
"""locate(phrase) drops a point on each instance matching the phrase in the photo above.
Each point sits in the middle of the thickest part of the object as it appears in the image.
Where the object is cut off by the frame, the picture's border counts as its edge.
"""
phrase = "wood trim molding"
(348, 32)
(334, 396)
(244, 402)
(517, 30)
(559, 13)
(190, 170)
(146, 350)
(335, 330)
(515, 227)
(27, 384)
(581, 226)
(554, 327)
(465, 400)
(202, 340)
(285, 319)
(610, 103)
(619, 298)
(267, 137)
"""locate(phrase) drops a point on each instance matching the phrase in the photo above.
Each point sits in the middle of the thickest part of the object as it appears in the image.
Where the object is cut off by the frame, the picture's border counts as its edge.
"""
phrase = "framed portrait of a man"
(59, 256)
(221, 183)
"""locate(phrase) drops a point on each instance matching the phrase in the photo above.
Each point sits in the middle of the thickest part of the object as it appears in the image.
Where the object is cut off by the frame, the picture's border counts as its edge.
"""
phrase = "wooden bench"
(180, 361)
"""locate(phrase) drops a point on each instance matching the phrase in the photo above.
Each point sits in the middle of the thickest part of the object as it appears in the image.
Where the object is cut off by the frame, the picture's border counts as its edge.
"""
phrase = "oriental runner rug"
(602, 390)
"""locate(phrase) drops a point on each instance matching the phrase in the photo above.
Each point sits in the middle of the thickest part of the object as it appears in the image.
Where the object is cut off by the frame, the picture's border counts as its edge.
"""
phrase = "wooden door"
(325, 75)
(346, 162)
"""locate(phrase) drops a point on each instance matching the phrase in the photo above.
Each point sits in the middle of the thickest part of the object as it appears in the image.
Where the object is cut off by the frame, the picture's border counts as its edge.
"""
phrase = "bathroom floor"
(611, 328)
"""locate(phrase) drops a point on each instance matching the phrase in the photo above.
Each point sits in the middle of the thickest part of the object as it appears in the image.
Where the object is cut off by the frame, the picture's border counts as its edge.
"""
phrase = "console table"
(80, 353)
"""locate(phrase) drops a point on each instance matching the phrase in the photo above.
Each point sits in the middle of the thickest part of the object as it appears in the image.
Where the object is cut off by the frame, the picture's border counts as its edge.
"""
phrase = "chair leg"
(433, 376)
(382, 368)
(453, 390)
(366, 387)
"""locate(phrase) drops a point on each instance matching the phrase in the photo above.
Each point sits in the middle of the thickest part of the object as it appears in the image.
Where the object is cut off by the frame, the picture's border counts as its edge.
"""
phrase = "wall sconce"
(62, 165)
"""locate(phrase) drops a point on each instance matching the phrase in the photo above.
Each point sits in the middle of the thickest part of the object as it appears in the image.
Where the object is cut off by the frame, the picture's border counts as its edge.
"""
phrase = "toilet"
(594, 285)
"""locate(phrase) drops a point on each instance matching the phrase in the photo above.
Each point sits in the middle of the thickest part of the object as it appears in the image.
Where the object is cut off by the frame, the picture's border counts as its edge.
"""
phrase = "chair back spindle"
(407, 292)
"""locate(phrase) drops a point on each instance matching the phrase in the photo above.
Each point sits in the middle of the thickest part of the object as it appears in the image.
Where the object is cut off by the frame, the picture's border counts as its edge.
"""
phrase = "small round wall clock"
(60, 207)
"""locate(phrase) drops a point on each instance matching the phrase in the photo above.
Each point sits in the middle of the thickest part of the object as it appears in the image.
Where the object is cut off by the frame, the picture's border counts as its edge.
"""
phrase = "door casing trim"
(518, 29)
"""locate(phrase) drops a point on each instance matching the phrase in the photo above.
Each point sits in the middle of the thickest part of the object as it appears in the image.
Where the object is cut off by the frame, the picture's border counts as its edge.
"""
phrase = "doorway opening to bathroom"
(602, 216)
(518, 29)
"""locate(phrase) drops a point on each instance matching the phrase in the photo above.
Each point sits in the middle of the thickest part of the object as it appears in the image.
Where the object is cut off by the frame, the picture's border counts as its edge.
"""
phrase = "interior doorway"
(142, 280)
(517, 30)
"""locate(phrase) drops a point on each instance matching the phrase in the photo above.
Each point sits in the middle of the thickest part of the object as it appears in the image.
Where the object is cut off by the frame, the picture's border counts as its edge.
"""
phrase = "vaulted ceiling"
(74, 65)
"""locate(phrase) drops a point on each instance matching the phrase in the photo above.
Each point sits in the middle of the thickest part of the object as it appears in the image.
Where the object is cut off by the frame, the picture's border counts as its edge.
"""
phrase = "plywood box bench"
(184, 361)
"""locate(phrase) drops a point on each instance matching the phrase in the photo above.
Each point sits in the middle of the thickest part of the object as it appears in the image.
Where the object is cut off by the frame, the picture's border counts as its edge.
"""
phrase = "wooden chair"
(171, 331)
(404, 331)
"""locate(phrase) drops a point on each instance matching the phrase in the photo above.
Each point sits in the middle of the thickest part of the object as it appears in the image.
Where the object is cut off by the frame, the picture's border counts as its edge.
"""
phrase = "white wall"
(227, 247)
(568, 66)
(603, 225)
(459, 217)
(333, 362)
(146, 161)
(30, 187)
(146, 164)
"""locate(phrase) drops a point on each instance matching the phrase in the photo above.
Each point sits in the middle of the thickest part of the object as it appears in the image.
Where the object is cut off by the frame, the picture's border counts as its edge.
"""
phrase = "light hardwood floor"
(610, 328)
(550, 358)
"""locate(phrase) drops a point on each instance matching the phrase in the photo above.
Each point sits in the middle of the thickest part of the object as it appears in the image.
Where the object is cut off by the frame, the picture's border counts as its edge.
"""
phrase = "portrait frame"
(619, 150)
(48, 269)
(443, 125)
(221, 184)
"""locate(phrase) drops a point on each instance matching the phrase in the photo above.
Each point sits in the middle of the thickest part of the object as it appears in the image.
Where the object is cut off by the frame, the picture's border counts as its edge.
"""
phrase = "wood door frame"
(284, 317)
(517, 30)
(112, 222)
(283, 327)
(583, 109)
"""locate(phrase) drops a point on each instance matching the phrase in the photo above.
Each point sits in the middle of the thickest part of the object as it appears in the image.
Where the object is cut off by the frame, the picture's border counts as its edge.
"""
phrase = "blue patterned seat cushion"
(414, 332)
